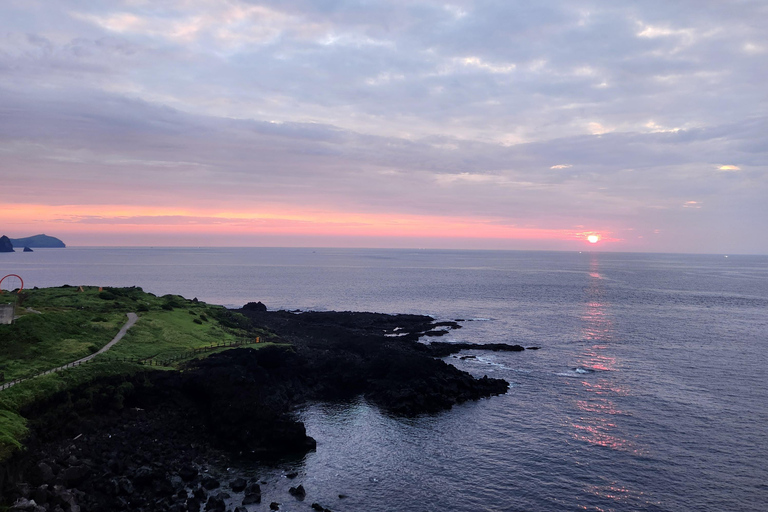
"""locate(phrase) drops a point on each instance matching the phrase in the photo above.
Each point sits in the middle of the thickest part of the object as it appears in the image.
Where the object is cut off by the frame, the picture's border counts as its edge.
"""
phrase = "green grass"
(160, 334)
(13, 429)
(37, 342)
(60, 325)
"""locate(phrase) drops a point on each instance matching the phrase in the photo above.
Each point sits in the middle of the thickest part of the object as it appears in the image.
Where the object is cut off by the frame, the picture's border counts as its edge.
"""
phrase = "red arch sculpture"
(13, 275)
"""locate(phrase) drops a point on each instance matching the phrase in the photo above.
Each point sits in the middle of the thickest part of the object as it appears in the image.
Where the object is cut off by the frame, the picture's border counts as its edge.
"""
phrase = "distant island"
(43, 241)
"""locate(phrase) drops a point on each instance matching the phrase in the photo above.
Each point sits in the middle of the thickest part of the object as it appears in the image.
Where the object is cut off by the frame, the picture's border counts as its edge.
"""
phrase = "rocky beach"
(152, 441)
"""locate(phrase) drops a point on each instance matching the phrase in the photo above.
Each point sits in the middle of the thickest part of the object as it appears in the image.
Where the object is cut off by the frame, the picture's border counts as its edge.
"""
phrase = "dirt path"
(132, 317)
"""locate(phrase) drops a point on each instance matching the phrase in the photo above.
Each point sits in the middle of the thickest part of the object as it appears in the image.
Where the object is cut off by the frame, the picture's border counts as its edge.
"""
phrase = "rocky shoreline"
(148, 442)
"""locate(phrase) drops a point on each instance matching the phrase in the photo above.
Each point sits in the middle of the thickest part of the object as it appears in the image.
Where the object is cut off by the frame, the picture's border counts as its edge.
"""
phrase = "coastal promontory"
(138, 427)
(41, 241)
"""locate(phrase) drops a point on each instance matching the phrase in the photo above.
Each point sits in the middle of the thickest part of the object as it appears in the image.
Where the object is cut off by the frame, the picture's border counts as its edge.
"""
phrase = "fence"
(6, 385)
(149, 361)
(155, 361)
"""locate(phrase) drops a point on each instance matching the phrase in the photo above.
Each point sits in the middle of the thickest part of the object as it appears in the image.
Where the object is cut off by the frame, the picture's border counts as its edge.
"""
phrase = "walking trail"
(132, 317)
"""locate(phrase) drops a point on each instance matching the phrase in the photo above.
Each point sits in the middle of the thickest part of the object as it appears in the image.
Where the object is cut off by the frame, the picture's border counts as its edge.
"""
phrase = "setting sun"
(593, 239)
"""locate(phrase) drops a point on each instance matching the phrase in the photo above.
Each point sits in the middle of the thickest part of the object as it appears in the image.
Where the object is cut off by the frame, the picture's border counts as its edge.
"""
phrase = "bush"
(197, 321)
(142, 308)
(175, 301)
(167, 307)
(107, 295)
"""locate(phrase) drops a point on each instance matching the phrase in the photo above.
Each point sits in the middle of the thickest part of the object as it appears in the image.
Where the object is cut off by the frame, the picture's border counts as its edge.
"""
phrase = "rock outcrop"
(5, 244)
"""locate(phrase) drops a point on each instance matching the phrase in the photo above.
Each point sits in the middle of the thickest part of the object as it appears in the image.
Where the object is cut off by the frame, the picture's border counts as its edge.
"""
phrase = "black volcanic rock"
(255, 306)
(344, 354)
(443, 349)
(5, 244)
(27, 249)
(128, 442)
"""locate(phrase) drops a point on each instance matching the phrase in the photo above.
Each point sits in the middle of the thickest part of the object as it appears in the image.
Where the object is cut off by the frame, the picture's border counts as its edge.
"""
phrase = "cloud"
(410, 108)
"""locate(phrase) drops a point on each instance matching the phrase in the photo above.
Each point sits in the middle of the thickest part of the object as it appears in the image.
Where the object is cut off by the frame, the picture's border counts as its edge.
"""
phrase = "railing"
(148, 361)
(156, 361)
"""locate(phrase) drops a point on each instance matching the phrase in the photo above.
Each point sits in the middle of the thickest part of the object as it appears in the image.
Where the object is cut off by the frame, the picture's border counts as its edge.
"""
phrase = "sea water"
(649, 391)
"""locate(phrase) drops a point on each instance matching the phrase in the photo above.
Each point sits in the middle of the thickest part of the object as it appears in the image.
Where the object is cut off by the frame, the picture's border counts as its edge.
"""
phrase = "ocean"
(649, 392)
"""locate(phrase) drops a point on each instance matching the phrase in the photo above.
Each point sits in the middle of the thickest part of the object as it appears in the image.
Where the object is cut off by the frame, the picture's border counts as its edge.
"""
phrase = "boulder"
(215, 504)
(210, 483)
(251, 498)
(188, 473)
(297, 492)
(238, 484)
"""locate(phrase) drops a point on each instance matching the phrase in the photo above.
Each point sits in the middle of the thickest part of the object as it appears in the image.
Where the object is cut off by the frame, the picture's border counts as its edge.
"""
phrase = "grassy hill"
(56, 326)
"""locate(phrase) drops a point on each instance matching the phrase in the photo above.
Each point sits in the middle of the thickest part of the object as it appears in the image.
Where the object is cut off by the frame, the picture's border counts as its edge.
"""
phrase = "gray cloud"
(554, 114)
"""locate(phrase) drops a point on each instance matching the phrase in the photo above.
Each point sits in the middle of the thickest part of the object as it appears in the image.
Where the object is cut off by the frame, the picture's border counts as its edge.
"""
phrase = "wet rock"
(188, 473)
(444, 349)
(274, 506)
(251, 498)
(297, 492)
(238, 484)
(193, 504)
(215, 504)
(292, 475)
(210, 483)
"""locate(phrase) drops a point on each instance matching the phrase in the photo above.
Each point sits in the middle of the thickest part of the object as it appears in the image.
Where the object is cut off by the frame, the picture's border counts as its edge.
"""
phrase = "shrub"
(197, 321)
(107, 295)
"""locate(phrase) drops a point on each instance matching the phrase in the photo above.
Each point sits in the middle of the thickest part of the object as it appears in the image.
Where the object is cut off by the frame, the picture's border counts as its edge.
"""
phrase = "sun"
(593, 239)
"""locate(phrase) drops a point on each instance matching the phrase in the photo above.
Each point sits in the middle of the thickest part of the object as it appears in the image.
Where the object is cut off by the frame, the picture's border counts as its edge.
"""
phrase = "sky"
(426, 124)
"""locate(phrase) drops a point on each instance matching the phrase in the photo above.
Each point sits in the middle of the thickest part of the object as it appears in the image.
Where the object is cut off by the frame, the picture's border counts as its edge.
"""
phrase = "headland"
(138, 427)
